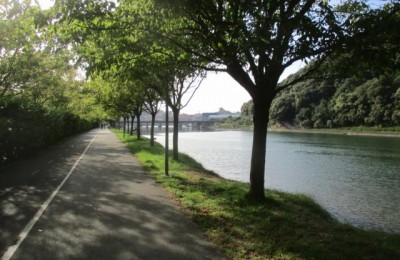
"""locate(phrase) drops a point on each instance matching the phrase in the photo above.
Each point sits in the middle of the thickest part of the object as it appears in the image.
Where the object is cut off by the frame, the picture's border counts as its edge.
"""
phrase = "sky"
(217, 90)
(221, 90)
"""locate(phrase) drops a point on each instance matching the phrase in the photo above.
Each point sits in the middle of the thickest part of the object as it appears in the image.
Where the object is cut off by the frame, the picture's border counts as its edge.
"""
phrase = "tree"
(283, 108)
(123, 98)
(254, 42)
(105, 38)
(341, 102)
(40, 95)
(183, 82)
(175, 83)
(247, 111)
(18, 48)
(373, 49)
(152, 106)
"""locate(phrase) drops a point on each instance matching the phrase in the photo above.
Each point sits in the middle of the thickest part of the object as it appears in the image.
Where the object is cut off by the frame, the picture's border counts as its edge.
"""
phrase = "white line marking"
(11, 249)
(33, 173)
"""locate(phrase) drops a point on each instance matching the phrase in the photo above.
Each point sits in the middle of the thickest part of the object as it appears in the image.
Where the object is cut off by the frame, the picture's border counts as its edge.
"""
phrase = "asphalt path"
(89, 198)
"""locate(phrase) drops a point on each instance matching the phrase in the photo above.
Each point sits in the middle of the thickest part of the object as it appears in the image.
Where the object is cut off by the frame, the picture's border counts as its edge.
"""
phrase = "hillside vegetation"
(336, 103)
(339, 103)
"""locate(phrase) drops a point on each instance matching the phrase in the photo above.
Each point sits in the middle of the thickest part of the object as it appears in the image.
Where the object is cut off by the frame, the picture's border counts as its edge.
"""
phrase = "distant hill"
(337, 103)
(220, 114)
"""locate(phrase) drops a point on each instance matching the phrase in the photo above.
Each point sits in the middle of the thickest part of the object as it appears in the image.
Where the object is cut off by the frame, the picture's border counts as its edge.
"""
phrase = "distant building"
(222, 114)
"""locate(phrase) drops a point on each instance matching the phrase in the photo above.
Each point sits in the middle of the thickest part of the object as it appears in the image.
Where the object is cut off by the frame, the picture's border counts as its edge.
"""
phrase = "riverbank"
(286, 226)
(359, 131)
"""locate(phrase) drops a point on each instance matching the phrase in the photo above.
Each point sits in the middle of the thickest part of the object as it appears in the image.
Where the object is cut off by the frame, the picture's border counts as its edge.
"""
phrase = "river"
(355, 178)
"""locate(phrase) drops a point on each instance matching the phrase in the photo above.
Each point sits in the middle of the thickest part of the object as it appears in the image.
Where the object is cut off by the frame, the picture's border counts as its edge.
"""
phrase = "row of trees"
(41, 98)
(162, 45)
(127, 97)
(130, 71)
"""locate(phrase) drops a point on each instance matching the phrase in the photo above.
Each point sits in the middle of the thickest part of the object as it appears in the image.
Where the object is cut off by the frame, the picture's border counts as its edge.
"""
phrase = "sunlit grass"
(285, 226)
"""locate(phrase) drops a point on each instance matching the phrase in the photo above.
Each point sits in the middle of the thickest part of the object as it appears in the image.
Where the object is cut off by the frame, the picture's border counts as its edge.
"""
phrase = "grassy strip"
(286, 226)
(362, 131)
(371, 129)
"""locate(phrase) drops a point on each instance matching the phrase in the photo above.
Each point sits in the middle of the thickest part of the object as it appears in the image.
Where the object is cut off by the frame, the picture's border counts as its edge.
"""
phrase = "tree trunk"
(153, 119)
(257, 168)
(166, 140)
(132, 119)
(175, 155)
(138, 127)
(124, 126)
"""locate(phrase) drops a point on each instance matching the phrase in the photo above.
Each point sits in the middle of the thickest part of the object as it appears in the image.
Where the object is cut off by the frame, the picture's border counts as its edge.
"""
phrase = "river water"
(355, 178)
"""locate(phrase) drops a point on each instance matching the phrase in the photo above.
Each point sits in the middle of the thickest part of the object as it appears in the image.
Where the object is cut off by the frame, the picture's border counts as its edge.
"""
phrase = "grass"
(285, 226)
(371, 129)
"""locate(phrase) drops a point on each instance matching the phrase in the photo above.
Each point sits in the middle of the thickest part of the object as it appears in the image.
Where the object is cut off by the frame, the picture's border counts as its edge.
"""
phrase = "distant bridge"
(193, 124)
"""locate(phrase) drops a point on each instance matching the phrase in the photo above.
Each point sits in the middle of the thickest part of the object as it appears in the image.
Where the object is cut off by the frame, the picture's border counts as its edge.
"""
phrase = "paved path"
(108, 208)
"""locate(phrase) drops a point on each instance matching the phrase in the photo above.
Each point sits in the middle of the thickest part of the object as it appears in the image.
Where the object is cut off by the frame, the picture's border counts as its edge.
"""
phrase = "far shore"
(331, 131)
(338, 131)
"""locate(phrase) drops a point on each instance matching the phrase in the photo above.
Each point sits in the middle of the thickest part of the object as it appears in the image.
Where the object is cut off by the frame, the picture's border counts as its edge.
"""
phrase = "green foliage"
(349, 102)
(243, 123)
(284, 226)
(284, 108)
(353, 103)
(41, 100)
(374, 48)
(122, 47)
(247, 112)
(26, 127)
(338, 103)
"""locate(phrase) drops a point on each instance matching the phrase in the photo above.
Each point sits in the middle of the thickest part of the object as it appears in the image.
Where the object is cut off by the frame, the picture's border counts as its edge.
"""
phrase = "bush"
(26, 128)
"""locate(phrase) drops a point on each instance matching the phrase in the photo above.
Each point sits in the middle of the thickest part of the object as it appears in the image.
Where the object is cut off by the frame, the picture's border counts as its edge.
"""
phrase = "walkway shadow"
(110, 209)
(25, 184)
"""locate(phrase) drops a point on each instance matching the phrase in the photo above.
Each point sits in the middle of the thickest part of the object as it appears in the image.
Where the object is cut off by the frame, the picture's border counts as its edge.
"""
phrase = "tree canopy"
(42, 98)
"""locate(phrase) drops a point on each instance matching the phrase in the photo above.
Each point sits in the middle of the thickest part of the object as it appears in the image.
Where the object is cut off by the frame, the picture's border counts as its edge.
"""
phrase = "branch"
(303, 77)
(237, 72)
(195, 89)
